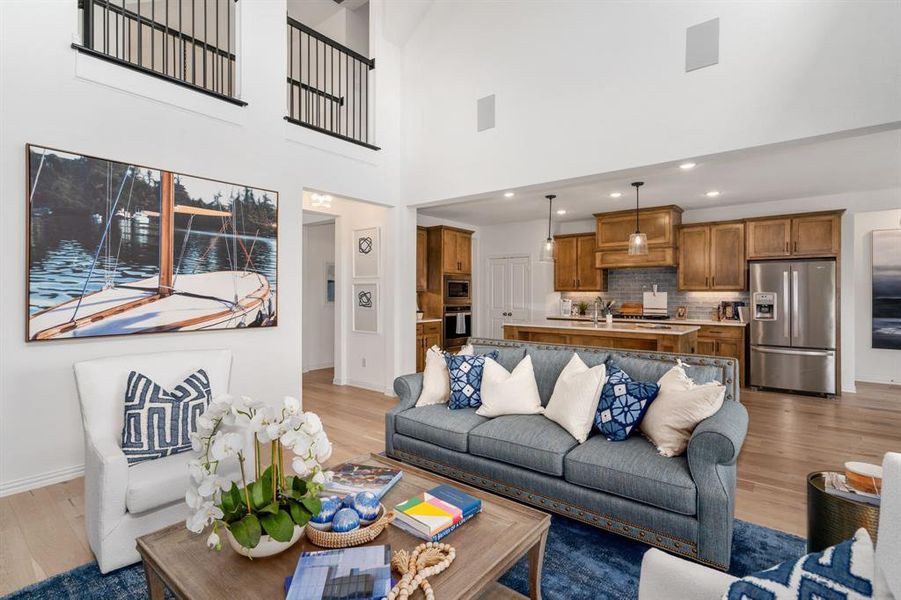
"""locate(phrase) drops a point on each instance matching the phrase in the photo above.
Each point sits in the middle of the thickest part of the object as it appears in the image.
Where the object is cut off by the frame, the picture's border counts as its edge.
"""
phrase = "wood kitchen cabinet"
(724, 340)
(454, 246)
(807, 235)
(712, 257)
(574, 264)
(659, 223)
(427, 335)
(422, 259)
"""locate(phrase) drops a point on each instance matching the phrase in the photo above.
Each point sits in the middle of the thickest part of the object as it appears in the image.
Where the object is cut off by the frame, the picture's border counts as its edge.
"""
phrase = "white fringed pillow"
(575, 399)
(436, 378)
(509, 393)
(680, 405)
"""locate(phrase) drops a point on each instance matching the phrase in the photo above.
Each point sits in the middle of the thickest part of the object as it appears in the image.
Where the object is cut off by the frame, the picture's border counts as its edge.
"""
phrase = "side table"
(833, 519)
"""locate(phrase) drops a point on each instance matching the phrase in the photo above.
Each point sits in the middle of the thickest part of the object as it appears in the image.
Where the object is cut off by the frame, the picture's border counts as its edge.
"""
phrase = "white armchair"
(122, 502)
(664, 576)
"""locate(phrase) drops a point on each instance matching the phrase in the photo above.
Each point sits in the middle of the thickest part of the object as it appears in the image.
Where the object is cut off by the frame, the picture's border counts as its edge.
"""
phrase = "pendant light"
(638, 241)
(547, 246)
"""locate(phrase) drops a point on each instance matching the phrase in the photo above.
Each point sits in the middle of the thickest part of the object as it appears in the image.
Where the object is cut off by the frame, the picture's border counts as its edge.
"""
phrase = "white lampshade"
(547, 251)
(638, 244)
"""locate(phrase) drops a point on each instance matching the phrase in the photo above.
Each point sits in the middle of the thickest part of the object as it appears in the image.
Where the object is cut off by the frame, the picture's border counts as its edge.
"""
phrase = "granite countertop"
(429, 320)
(628, 327)
(668, 321)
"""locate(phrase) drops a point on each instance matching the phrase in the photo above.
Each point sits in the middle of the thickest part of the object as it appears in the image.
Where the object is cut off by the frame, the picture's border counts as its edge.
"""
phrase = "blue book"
(467, 504)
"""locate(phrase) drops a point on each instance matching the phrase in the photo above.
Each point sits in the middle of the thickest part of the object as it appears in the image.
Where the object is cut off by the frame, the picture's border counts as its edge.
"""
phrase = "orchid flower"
(203, 517)
(226, 445)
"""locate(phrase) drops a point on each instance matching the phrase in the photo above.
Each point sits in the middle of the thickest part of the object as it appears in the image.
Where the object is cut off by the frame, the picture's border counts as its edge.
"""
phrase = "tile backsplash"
(628, 285)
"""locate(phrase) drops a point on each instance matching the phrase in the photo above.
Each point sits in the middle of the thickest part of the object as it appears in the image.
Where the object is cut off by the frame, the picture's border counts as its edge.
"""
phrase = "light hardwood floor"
(42, 531)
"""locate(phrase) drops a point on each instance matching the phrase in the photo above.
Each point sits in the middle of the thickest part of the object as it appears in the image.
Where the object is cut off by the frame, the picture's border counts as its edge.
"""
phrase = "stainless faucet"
(596, 307)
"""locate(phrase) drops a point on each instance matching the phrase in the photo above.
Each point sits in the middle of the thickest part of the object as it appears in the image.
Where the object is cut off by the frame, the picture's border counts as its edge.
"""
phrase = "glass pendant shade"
(547, 251)
(638, 244)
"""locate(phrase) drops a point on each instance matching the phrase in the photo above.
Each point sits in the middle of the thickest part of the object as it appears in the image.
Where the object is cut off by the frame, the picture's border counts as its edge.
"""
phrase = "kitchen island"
(628, 336)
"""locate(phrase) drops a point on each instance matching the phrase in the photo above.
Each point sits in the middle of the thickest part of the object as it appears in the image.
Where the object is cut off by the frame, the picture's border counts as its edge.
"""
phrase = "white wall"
(53, 96)
(318, 327)
(873, 364)
(594, 87)
(525, 238)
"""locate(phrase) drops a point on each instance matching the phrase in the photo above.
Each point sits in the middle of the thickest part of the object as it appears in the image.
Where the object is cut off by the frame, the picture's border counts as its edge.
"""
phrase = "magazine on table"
(360, 573)
(353, 478)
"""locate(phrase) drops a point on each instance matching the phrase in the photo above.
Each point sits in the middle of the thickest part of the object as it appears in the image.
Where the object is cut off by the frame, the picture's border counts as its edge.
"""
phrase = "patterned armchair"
(124, 502)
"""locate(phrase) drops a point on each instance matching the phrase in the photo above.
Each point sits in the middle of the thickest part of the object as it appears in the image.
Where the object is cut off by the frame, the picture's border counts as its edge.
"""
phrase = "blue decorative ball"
(328, 508)
(367, 506)
(348, 501)
(345, 520)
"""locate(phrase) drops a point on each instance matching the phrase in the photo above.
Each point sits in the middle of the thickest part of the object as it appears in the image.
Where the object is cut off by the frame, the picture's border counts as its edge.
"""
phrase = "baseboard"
(882, 380)
(23, 484)
(316, 367)
(366, 386)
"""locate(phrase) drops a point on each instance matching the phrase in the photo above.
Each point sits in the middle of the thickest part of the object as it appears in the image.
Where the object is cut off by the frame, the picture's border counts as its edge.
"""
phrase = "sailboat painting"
(121, 249)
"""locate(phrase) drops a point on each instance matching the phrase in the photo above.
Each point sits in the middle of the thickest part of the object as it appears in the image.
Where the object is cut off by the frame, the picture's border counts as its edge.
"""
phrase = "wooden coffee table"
(487, 547)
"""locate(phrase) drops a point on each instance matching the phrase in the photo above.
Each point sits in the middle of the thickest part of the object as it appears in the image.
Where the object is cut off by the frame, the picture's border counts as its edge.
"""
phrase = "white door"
(509, 292)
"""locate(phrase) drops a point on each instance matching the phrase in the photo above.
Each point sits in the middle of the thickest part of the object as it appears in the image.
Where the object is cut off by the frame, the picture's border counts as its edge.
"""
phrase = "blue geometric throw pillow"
(841, 572)
(623, 404)
(466, 379)
(157, 422)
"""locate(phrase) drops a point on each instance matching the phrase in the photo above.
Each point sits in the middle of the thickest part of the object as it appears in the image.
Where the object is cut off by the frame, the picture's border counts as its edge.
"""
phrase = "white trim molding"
(31, 482)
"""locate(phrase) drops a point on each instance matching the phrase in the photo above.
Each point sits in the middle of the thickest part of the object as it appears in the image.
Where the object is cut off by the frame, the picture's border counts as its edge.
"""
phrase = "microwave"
(457, 290)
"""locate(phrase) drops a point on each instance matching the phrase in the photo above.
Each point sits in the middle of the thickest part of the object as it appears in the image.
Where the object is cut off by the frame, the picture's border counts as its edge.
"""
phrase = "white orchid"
(319, 477)
(226, 445)
(292, 405)
(198, 441)
(204, 517)
(304, 467)
(212, 484)
(193, 498)
(298, 441)
(322, 448)
(212, 542)
(312, 424)
(196, 470)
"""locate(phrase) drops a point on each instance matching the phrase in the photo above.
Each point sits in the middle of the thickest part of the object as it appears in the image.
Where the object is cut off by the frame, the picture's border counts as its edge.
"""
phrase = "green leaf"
(298, 485)
(247, 531)
(300, 514)
(280, 526)
(312, 504)
(270, 509)
(230, 500)
(261, 490)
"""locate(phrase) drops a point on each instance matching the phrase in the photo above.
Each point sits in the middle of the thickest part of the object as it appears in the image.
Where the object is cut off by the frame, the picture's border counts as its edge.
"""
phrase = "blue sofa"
(684, 505)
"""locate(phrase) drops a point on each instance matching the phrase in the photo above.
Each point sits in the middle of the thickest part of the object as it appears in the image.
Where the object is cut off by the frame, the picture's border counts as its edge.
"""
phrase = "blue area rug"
(579, 562)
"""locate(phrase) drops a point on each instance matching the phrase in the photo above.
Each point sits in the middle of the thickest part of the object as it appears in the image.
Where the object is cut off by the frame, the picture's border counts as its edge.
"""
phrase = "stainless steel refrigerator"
(793, 325)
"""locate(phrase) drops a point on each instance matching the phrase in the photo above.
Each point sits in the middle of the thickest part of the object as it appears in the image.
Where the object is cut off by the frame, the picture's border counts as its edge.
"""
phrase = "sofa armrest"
(105, 481)
(407, 388)
(718, 438)
(664, 576)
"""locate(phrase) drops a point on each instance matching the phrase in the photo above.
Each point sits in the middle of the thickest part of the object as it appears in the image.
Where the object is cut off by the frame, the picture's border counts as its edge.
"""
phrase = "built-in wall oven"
(457, 290)
(457, 325)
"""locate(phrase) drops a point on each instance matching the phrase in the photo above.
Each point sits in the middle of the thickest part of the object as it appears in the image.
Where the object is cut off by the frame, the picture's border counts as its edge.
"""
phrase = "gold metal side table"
(833, 519)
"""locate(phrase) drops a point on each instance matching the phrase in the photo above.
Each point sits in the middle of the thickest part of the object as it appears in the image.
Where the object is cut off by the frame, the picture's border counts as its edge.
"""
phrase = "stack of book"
(434, 514)
(352, 478)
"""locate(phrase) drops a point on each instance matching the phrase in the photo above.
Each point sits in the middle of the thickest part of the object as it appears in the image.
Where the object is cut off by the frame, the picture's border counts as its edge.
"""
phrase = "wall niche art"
(887, 289)
(366, 307)
(367, 249)
(121, 249)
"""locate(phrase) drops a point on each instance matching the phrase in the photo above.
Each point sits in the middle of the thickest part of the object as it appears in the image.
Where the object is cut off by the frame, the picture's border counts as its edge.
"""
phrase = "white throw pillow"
(506, 393)
(435, 377)
(576, 396)
(680, 405)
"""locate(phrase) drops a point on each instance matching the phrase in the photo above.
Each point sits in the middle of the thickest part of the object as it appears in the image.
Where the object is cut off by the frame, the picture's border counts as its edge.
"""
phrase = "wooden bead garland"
(426, 560)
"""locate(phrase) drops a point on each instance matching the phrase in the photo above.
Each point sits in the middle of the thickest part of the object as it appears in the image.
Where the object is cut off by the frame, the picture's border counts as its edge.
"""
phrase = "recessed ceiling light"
(562, 211)
(616, 194)
(712, 194)
(509, 194)
(687, 166)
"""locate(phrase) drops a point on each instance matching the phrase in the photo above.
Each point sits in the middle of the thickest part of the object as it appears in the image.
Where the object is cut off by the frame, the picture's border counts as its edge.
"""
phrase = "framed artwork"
(887, 289)
(330, 283)
(366, 307)
(122, 249)
(366, 252)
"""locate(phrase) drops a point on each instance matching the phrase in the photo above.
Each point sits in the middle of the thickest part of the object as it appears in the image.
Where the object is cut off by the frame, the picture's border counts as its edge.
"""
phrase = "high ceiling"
(799, 169)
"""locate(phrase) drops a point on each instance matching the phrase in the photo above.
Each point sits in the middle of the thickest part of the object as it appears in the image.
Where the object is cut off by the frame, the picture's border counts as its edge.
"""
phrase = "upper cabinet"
(574, 264)
(660, 224)
(422, 259)
(811, 235)
(712, 256)
(452, 249)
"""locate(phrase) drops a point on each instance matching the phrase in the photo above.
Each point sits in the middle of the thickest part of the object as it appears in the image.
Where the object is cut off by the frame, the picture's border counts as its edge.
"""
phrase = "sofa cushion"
(507, 357)
(530, 441)
(549, 362)
(465, 373)
(633, 469)
(161, 481)
(438, 425)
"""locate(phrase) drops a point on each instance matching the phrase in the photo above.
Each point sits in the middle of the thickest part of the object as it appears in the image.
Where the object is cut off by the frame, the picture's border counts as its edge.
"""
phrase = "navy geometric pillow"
(466, 379)
(841, 572)
(157, 422)
(623, 404)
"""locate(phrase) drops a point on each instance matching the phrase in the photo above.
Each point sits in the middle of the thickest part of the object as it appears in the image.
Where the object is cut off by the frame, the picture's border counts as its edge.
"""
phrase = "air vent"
(485, 109)
(702, 45)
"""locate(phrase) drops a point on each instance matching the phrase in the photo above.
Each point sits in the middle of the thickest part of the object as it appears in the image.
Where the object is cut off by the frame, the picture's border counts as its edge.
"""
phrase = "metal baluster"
(206, 39)
(217, 71)
(366, 104)
(309, 116)
(140, 46)
(316, 92)
(118, 17)
(106, 27)
(166, 42)
(152, 34)
(291, 70)
(228, 33)
(340, 106)
(193, 43)
(87, 23)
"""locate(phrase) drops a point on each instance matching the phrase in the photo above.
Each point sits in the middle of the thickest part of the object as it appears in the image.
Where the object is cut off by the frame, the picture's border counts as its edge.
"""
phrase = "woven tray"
(363, 535)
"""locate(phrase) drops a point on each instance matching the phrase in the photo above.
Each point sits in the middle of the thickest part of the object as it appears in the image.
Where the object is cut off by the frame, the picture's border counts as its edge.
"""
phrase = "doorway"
(319, 291)
(509, 284)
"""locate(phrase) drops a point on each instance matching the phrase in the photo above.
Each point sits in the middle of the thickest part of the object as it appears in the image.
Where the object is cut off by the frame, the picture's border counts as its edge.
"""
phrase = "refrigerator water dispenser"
(764, 306)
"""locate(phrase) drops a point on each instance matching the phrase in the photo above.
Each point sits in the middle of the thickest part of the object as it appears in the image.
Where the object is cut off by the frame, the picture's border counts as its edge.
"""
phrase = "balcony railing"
(187, 42)
(328, 85)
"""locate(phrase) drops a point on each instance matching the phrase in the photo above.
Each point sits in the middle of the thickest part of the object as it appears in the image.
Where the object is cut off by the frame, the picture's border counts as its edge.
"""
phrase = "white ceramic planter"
(267, 545)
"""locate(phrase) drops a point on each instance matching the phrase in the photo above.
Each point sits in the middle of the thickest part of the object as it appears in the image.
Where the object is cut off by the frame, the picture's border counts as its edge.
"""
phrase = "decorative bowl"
(362, 535)
(266, 546)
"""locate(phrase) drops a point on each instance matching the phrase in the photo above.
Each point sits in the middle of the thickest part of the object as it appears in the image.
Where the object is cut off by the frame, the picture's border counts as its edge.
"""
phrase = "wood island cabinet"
(712, 257)
(574, 264)
(724, 340)
(807, 235)
(427, 335)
